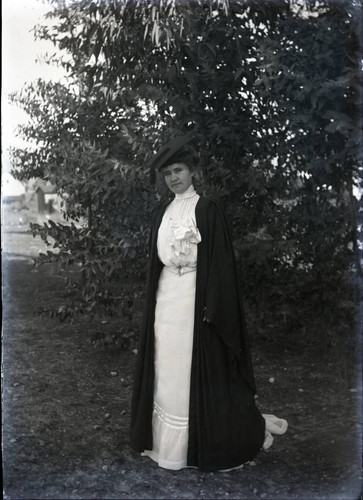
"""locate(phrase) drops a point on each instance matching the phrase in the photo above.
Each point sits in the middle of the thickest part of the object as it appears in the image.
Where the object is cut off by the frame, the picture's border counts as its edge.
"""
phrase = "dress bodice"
(178, 234)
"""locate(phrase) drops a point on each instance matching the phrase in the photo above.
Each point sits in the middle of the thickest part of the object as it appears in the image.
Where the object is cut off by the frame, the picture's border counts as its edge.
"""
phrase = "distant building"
(47, 197)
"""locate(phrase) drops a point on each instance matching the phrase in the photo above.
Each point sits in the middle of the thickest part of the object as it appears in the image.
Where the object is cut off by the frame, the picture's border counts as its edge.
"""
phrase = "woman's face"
(178, 177)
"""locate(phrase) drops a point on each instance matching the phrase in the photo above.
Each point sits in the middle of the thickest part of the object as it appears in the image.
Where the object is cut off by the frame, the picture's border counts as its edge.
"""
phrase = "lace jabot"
(178, 235)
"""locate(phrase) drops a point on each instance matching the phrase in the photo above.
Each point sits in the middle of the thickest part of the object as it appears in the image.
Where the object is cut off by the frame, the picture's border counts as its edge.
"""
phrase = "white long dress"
(177, 244)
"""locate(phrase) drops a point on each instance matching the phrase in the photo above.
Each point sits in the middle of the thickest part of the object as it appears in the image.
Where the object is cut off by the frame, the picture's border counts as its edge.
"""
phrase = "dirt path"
(67, 408)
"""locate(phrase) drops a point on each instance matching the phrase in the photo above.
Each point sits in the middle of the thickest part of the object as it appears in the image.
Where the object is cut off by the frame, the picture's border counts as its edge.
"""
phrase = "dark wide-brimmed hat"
(166, 153)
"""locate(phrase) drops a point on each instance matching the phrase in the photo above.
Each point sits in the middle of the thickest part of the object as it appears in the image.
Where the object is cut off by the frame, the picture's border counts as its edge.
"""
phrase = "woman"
(193, 401)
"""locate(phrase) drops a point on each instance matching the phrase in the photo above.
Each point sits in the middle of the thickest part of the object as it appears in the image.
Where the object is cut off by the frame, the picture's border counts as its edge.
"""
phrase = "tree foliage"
(270, 91)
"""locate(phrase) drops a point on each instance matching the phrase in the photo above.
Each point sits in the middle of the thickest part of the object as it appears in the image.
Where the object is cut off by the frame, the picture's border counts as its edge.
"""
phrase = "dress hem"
(164, 463)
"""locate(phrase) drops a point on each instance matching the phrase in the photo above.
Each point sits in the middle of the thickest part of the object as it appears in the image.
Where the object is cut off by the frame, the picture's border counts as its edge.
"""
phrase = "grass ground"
(66, 397)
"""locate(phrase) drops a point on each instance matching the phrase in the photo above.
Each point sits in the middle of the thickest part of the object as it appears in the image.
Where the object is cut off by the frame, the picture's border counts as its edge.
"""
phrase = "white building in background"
(36, 195)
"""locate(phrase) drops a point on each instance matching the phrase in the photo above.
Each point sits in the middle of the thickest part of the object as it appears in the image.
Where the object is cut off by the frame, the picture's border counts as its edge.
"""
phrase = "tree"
(270, 91)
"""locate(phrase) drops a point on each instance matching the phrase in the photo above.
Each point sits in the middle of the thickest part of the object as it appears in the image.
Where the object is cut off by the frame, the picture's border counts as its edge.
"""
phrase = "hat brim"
(169, 150)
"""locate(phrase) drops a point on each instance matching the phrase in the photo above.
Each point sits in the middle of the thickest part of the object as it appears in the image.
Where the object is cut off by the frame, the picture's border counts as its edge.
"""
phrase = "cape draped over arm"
(223, 304)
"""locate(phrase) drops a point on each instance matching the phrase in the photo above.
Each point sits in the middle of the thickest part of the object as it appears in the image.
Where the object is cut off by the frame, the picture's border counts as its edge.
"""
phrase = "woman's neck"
(189, 193)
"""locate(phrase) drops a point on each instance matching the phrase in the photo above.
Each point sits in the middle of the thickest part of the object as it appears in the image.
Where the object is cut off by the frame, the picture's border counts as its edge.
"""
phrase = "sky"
(19, 53)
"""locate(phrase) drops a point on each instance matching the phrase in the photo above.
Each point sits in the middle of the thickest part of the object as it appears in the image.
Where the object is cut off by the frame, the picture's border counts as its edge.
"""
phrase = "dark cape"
(225, 427)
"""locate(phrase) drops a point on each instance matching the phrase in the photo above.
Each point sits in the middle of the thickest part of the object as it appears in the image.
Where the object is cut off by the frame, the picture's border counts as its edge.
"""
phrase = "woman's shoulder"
(159, 209)
(210, 203)
(161, 205)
